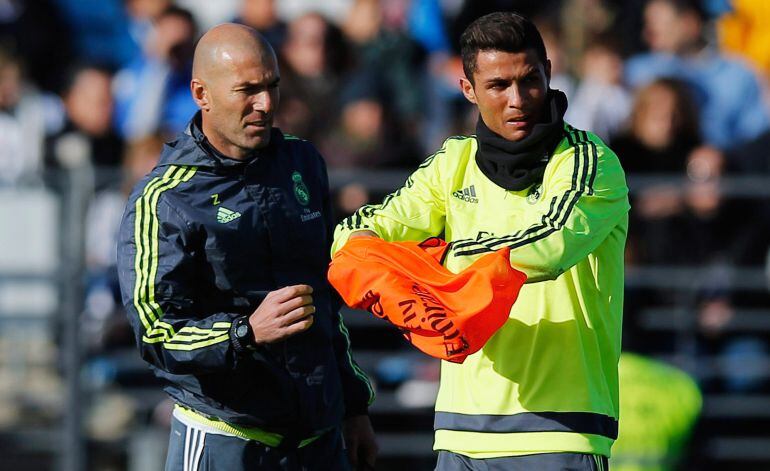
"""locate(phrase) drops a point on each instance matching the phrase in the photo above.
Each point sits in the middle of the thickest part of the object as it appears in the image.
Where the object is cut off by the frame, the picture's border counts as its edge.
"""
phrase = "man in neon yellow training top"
(543, 392)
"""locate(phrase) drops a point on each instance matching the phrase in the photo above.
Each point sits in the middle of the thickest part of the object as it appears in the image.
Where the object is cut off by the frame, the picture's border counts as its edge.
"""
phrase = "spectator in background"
(35, 31)
(425, 20)
(364, 136)
(689, 221)
(209, 14)
(713, 226)
(718, 234)
(384, 50)
(601, 103)
(333, 10)
(663, 131)
(99, 31)
(26, 117)
(358, 138)
(561, 79)
(87, 137)
(349, 198)
(745, 31)
(313, 62)
(583, 21)
(152, 93)
(262, 15)
(446, 112)
(728, 92)
(751, 158)
(471, 10)
(141, 16)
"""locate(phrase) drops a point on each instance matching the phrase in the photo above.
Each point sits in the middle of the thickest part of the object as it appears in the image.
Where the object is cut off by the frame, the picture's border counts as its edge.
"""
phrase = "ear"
(467, 88)
(548, 73)
(200, 94)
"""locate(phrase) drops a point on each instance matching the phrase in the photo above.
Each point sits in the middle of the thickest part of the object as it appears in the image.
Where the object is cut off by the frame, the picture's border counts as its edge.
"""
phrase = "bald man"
(222, 260)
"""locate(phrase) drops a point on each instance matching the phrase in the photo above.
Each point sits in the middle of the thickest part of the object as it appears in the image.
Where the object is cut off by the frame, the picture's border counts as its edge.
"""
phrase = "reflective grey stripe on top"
(577, 422)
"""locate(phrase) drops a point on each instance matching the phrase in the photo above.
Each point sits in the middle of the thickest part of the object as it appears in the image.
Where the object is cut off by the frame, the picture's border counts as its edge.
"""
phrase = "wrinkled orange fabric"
(446, 315)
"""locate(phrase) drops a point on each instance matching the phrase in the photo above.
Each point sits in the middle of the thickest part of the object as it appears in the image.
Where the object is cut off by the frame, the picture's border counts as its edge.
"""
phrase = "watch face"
(242, 331)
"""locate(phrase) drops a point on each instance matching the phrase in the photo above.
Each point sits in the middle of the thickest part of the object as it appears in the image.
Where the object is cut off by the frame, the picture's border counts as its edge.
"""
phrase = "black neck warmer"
(517, 165)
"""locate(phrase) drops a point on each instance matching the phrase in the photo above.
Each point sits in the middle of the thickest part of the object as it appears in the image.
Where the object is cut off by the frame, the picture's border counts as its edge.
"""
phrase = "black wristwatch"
(241, 335)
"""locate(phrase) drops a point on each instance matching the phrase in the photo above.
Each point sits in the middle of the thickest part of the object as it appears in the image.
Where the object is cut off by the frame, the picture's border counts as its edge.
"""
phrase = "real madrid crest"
(534, 194)
(300, 190)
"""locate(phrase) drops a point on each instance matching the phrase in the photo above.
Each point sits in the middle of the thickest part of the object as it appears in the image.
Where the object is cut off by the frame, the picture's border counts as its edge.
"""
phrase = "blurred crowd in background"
(678, 88)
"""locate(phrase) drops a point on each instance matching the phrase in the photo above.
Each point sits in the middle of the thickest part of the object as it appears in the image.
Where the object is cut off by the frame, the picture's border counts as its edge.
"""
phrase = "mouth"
(519, 122)
(258, 124)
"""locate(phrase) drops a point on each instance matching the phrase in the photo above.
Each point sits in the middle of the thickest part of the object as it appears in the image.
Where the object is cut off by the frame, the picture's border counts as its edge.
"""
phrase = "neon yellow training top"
(547, 381)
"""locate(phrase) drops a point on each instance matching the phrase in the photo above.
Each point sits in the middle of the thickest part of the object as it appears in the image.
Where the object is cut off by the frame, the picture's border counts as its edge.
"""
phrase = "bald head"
(223, 46)
(235, 84)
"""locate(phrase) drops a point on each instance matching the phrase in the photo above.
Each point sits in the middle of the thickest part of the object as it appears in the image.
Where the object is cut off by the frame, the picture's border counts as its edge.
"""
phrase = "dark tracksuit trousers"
(448, 461)
(192, 449)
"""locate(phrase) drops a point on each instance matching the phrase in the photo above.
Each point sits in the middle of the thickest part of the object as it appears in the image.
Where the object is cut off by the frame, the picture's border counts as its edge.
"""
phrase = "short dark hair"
(75, 70)
(686, 6)
(181, 13)
(499, 31)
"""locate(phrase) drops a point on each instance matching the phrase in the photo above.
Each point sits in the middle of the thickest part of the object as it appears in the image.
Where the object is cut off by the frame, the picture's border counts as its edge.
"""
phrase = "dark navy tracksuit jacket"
(204, 238)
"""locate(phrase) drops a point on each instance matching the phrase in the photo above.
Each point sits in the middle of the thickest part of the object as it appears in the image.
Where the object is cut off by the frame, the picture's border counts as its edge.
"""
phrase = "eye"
(531, 78)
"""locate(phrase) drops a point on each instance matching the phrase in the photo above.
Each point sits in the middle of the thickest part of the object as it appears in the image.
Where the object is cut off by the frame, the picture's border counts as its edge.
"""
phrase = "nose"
(515, 96)
(263, 101)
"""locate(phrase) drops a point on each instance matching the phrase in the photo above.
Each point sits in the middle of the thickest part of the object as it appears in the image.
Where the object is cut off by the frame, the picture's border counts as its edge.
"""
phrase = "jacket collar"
(191, 147)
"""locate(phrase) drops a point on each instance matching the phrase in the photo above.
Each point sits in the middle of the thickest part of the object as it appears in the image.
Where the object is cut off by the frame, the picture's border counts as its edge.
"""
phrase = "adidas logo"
(467, 194)
(224, 215)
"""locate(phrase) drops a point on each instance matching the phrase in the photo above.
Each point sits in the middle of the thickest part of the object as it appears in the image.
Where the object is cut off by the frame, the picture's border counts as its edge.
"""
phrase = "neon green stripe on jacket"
(547, 381)
(146, 267)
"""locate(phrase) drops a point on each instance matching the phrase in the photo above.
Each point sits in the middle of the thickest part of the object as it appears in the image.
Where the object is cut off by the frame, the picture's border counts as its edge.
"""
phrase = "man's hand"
(362, 234)
(360, 442)
(284, 312)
